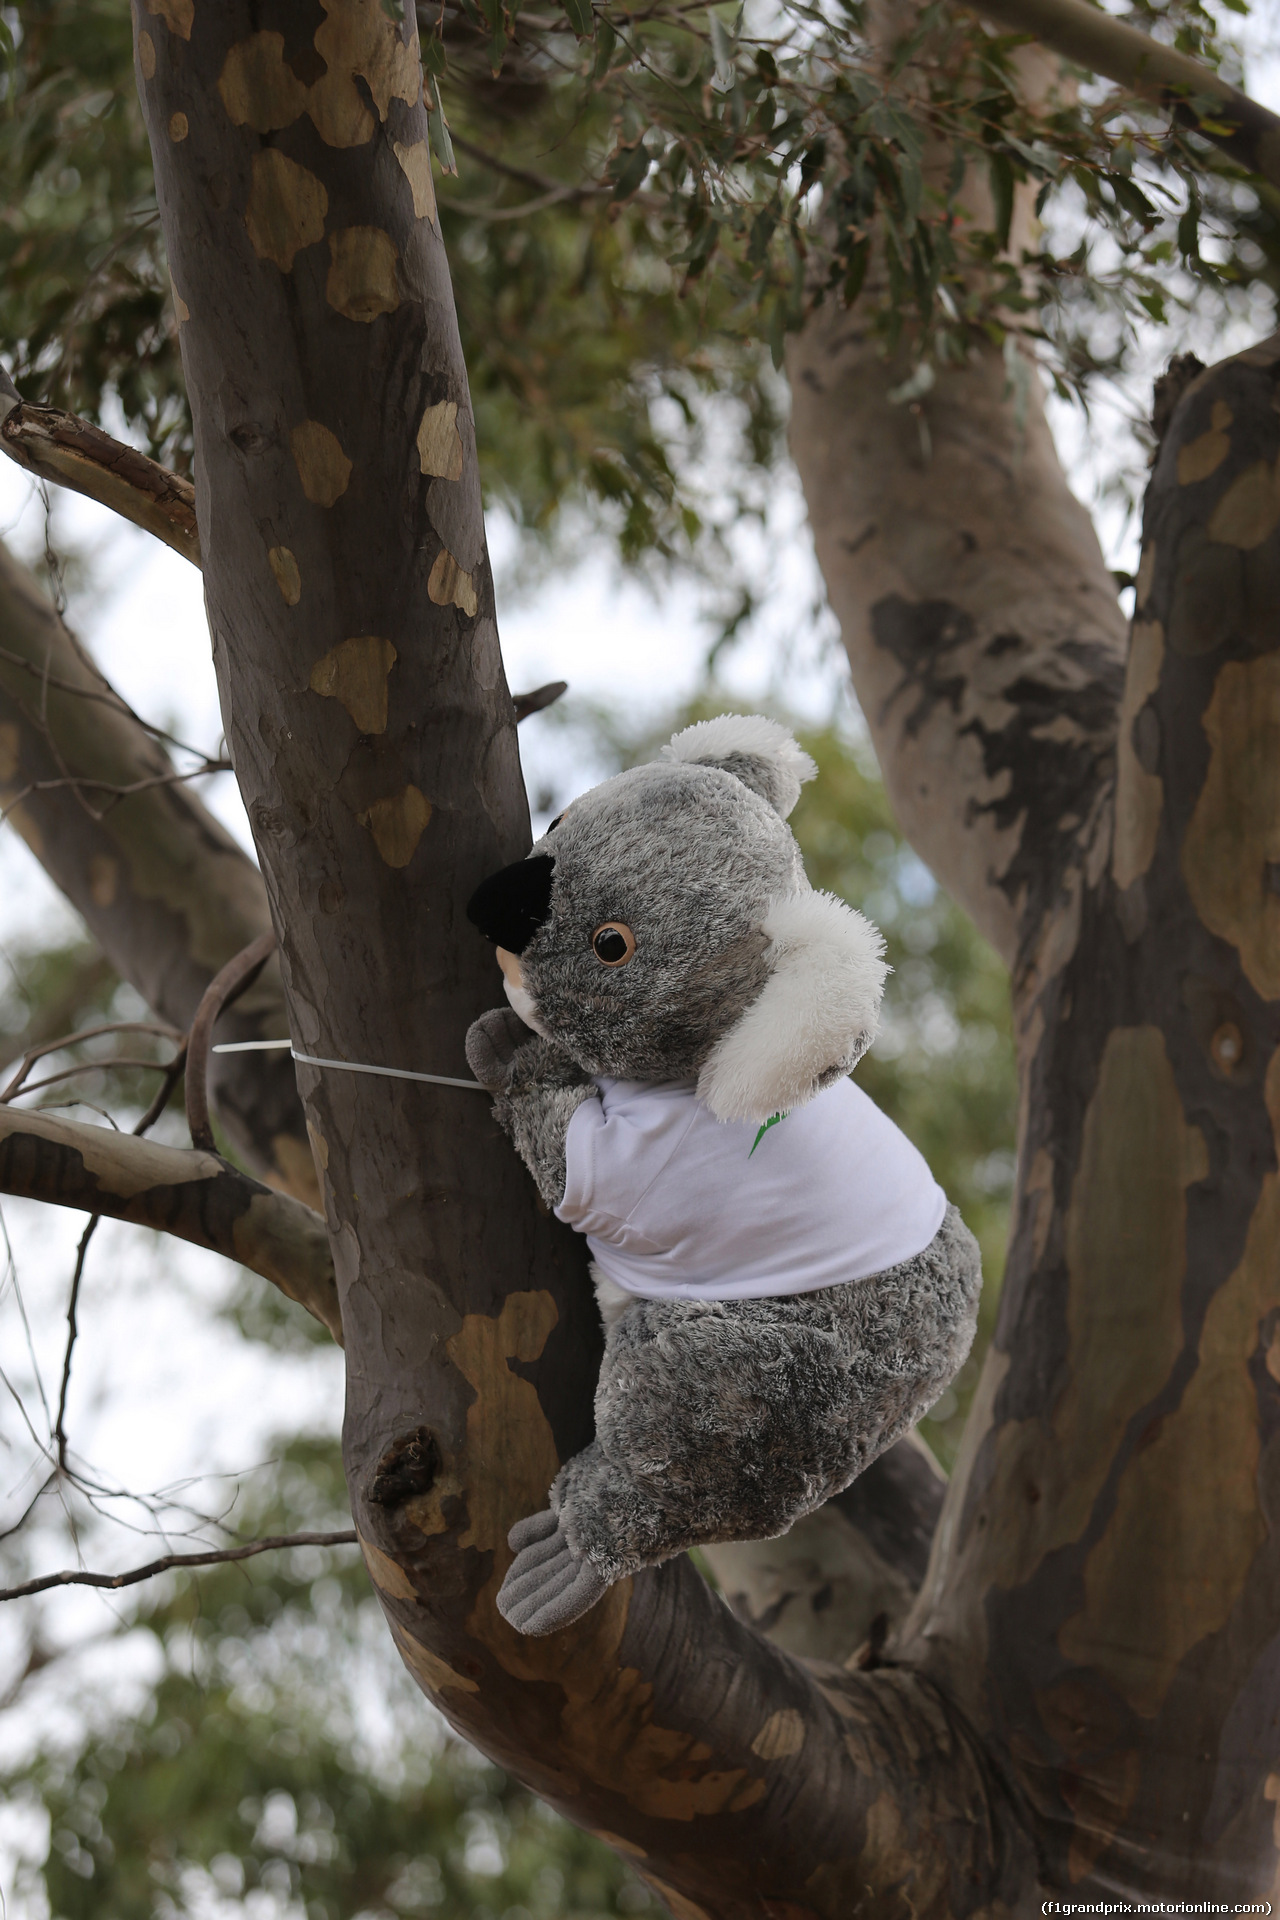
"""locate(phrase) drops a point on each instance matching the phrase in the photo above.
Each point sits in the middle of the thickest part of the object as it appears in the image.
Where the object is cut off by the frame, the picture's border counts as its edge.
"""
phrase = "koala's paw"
(492, 1044)
(547, 1587)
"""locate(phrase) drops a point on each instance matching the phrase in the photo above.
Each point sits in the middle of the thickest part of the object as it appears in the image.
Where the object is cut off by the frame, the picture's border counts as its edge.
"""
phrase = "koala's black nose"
(511, 905)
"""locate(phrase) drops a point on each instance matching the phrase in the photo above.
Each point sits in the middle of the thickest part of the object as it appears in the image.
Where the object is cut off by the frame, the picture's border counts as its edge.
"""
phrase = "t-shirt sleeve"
(587, 1189)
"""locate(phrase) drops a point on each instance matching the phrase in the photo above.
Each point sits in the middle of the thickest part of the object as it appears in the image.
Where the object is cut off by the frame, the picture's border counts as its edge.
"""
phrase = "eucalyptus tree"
(1068, 1686)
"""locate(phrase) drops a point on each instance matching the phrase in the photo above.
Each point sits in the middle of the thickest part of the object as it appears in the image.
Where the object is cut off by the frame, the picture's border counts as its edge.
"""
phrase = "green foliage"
(85, 317)
(283, 1761)
(671, 191)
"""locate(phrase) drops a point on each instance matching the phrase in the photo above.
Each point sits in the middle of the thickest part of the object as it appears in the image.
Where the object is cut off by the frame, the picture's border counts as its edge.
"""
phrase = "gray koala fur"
(716, 1419)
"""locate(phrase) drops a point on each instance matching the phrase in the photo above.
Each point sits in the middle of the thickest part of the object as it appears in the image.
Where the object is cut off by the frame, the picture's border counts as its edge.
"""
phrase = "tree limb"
(165, 891)
(847, 1574)
(983, 628)
(193, 1195)
(1094, 39)
(73, 453)
(272, 1543)
(226, 987)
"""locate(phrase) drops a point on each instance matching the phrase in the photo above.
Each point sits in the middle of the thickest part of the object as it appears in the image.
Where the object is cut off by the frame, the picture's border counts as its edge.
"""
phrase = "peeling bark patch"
(286, 208)
(448, 585)
(287, 577)
(178, 15)
(505, 1421)
(1195, 1563)
(1126, 1254)
(1139, 794)
(440, 443)
(179, 127)
(363, 280)
(1197, 459)
(1234, 835)
(359, 41)
(781, 1735)
(147, 55)
(1249, 510)
(258, 87)
(1041, 760)
(323, 467)
(386, 1576)
(415, 164)
(295, 1171)
(182, 312)
(104, 877)
(397, 824)
(486, 655)
(356, 42)
(1125, 1237)
(917, 635)
(435, 1675)
(355, 674)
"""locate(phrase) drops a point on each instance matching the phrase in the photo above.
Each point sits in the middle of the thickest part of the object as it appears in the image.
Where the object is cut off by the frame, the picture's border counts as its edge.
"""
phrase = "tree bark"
(982, 625)
(162, 887)
(193, 1195)
(351, 608)
(1104, 1600)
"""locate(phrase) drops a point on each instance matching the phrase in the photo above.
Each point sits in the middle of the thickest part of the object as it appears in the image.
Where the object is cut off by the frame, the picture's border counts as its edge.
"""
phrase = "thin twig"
(226, 987)
(74, 1577)
(173, 1072)
(59, 1425)
(109, 698)
(121, 1061)
(65, 1040)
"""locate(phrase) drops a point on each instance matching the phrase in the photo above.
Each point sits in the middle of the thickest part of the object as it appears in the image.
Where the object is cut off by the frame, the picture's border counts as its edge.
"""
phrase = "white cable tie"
(343, 1066)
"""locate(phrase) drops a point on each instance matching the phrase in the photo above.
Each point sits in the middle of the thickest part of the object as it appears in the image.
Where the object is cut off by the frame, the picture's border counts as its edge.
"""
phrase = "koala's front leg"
(536, 1090)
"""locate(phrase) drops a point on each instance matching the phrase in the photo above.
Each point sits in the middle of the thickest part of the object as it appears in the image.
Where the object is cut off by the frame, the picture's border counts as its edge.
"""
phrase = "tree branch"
(272, 1543)
(73, 453)
(847, 1575)
(166, 892)
(193, 1195)
(1090, 38)
(983, 628)
(223, 990)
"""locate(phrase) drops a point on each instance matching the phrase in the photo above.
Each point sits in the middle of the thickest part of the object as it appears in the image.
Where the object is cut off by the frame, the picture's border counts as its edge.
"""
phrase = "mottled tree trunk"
(1103, 1602)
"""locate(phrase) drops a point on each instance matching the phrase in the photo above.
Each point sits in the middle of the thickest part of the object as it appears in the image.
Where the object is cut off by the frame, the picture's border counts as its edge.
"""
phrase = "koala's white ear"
(813, 1020)
(759, 752)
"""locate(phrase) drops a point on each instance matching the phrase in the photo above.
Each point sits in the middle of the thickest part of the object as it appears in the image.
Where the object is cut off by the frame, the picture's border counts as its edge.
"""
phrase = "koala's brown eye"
(613, 943)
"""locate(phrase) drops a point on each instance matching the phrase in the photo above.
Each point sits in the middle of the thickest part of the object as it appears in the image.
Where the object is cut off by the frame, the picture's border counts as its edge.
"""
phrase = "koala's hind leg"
(730, 1419)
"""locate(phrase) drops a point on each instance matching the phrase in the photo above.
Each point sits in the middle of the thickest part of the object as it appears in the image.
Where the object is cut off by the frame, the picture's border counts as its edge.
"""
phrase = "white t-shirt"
(676, 1205)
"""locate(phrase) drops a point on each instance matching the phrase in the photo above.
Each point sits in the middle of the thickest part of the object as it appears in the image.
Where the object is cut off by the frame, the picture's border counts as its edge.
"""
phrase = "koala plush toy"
(784, 1288)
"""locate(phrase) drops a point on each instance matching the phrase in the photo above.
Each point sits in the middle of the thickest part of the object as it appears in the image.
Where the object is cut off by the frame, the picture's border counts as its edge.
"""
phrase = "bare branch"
(166, 892)
(73, 453)
(1107, 46)
(527, 703)
(190, 1194)
(274, 1543)
(225, 988)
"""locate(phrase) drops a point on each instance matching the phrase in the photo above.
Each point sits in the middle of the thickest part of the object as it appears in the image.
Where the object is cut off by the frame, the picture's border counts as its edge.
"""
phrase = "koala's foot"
(547, 1586)
(492, 1043)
